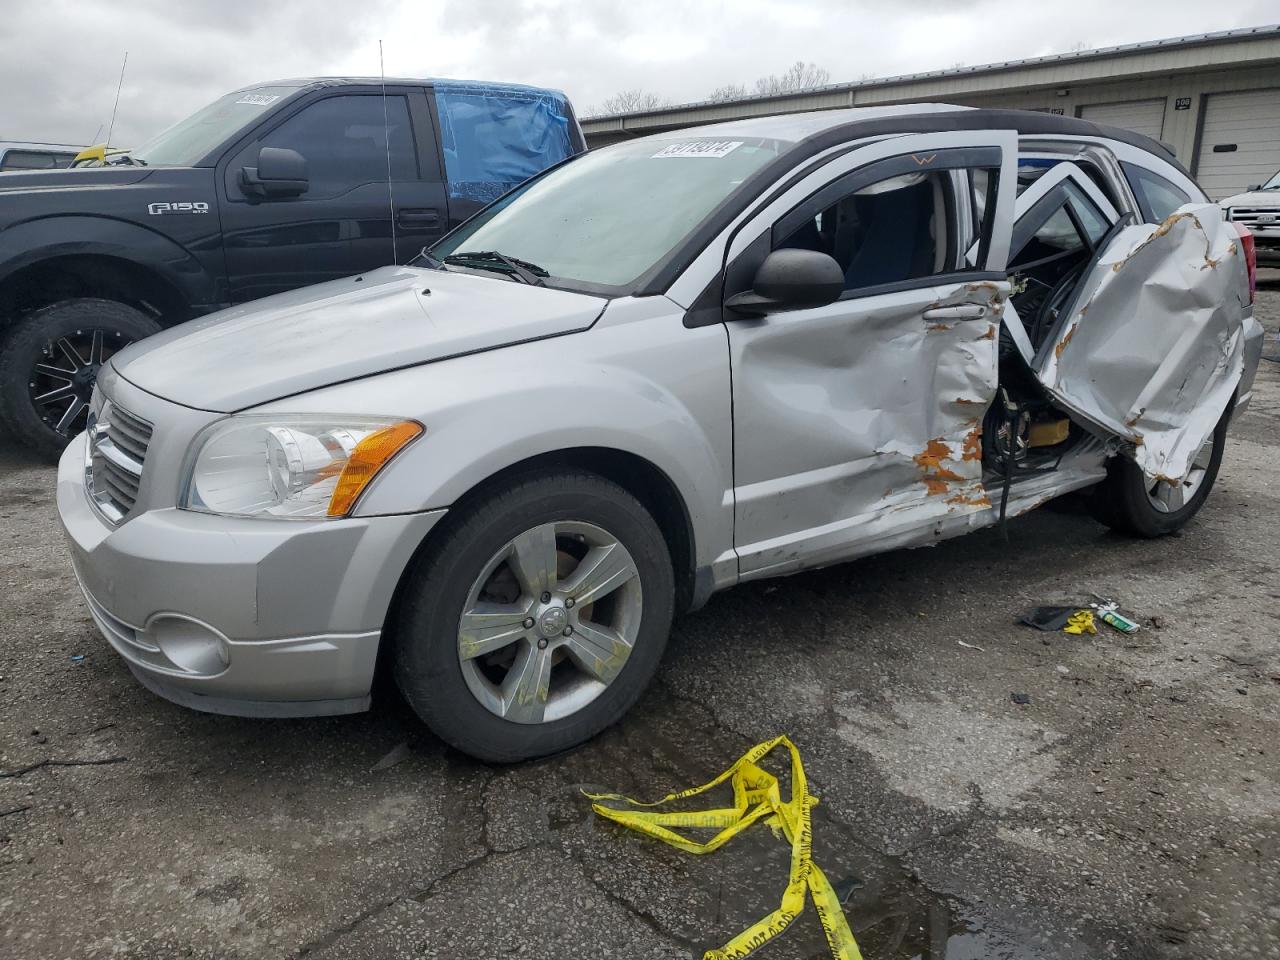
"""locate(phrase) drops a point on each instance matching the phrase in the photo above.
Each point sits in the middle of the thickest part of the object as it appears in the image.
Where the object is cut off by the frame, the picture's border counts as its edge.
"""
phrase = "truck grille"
(1255, 216)
(117, 451)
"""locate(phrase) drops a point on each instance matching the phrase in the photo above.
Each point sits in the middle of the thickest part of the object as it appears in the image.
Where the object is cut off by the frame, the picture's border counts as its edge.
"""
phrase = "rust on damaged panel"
(1062, 344)
(936, 476)
(964, 500)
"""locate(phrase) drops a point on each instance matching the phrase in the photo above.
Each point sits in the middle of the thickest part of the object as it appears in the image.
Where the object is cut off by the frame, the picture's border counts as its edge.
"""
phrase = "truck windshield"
(612, 214)
(1273, 183)
(189, 141)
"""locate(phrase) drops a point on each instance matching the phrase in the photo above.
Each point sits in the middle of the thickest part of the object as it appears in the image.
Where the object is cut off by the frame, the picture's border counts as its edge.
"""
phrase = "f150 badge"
(162, 207)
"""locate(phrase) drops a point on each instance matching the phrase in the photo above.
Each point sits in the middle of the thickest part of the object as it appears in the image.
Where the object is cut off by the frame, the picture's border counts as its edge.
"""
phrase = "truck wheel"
(49, 361)
(1128, 502)
(537, 619)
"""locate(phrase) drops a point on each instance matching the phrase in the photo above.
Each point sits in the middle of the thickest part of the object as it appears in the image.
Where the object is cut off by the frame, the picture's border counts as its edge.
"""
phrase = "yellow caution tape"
(756, 796)
(1080, 622)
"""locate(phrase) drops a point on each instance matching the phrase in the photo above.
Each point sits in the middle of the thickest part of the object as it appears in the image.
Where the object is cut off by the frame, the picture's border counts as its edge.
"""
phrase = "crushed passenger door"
(857, 425)
(1149, 347)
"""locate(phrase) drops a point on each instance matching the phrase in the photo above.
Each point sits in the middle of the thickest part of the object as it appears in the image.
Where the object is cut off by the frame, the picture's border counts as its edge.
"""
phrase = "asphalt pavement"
(1130, 808)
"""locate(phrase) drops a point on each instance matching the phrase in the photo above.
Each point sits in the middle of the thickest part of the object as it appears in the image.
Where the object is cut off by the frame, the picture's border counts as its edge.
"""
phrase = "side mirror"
(1252, 187)
(791, 280)
(280, 173)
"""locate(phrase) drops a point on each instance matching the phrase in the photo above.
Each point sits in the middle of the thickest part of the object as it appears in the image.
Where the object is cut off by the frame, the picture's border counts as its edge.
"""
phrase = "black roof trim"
(1023, 122)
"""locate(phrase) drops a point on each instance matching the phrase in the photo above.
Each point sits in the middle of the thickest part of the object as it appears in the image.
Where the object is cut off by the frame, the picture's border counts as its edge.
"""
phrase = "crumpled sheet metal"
(897, 405)
(1153, 348)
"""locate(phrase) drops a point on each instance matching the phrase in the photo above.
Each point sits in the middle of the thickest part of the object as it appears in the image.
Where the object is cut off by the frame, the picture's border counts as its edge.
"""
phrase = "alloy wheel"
(550, 622)
(61, 385)
(1169, 497)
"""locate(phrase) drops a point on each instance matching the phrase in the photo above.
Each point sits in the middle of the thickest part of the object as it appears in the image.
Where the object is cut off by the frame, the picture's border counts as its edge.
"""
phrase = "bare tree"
(730, 91)
(630, 101)
(800, 76)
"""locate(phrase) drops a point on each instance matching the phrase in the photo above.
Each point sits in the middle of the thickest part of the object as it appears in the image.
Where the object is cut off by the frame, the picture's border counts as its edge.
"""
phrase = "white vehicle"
(15, 155)
(652, 372)
(1258, 210)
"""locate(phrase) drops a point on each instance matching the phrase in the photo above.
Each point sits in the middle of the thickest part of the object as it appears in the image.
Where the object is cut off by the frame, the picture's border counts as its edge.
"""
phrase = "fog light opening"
(191, 646)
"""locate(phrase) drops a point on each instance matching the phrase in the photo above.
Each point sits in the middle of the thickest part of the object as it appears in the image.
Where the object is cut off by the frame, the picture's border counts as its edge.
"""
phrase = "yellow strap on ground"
(1080, 622)
(756, 796)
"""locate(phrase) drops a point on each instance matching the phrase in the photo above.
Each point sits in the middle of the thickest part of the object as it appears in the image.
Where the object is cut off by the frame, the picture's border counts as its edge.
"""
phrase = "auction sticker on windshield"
(258, 99)
(699, 148)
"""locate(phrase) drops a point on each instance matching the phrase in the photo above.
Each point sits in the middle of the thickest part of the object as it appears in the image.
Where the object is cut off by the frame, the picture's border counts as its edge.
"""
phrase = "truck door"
(1142, 339)
(342, 224)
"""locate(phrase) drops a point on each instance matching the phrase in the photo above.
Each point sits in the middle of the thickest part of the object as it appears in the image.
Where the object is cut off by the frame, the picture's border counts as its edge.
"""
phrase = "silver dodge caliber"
(657, 370)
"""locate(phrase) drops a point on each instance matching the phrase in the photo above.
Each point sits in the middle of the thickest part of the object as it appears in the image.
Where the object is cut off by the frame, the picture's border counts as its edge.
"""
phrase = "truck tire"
(49, 362)
(537, 618)
(1127, 502)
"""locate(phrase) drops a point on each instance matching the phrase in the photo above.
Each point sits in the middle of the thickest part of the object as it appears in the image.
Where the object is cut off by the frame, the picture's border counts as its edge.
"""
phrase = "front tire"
(1129, 502)
(49, 362)
(536, 618)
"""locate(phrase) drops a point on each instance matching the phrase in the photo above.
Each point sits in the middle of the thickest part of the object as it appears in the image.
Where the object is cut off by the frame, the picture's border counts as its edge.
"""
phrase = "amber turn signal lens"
(370, 455)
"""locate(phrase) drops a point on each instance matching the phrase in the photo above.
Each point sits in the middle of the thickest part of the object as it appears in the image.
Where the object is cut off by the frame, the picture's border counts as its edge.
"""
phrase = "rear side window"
(344, 140)
(1157, 197)
(1062, 222)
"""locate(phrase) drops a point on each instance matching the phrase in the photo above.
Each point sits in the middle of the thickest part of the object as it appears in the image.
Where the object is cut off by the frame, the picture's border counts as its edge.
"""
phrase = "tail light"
(1250, 257)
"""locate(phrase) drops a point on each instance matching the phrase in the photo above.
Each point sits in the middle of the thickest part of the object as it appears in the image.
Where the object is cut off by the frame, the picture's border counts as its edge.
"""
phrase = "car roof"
(817, 129)
(315, 82)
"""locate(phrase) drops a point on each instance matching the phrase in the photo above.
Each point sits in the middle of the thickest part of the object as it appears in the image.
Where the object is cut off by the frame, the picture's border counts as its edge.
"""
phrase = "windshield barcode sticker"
(258, 99)
(699, 148)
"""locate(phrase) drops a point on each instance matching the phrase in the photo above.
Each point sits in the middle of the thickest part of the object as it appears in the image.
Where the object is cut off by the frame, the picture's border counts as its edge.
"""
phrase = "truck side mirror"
(791, 279)
(280, 172)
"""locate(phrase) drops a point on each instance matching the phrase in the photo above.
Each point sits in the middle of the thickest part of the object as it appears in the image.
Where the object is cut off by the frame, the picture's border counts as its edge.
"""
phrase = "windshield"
(612, 214)
(1273, 183)
(187, 142)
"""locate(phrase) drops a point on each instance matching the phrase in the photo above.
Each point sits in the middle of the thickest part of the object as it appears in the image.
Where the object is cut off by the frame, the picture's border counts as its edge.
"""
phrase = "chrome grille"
(118, 443)
(1255, 216)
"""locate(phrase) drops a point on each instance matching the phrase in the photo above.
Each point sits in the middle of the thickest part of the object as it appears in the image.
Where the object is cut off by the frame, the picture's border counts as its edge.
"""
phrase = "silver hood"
(310, 338)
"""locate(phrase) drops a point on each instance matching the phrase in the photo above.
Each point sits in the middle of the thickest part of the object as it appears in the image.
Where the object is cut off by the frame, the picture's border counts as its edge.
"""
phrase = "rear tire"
(474, 569)
(1124, 501)
(55, 353)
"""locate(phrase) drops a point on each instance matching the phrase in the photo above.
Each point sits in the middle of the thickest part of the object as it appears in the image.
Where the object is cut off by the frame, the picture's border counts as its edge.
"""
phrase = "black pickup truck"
(269, 188)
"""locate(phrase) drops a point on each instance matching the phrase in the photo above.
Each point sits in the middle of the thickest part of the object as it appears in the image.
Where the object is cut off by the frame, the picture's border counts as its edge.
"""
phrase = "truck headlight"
(291, 467)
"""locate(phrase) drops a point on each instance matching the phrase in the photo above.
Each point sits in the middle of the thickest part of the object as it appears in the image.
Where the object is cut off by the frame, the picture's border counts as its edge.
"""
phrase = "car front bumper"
(240, 616)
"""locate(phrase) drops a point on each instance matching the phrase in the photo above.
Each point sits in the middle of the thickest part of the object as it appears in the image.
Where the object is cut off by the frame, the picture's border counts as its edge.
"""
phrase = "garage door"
(1239, 141)
(1140, 116)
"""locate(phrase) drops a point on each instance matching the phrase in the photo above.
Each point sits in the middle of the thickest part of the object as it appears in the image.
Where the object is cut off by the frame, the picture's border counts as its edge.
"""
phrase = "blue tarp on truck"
(496, 136)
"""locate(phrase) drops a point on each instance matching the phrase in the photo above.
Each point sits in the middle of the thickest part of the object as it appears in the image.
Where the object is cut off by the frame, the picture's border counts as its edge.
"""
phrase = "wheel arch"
(143, 266)
(640, 477)
(76, 275)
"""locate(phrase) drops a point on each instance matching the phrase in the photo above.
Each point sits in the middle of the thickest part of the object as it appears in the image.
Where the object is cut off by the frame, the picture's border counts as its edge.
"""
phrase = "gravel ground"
(1131, 808)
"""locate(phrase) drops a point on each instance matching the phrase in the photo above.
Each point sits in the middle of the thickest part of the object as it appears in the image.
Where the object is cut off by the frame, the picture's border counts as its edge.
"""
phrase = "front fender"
(654, 389)
(76, 235)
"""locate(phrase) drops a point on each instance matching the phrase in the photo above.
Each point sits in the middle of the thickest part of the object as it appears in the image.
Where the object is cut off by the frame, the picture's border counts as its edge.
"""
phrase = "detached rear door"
(1148, 345)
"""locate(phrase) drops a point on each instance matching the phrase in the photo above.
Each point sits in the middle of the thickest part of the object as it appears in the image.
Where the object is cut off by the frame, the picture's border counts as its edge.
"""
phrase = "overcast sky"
(60, 59)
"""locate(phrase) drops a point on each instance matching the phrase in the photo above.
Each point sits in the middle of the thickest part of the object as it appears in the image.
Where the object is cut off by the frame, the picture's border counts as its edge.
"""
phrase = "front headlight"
(295, 467)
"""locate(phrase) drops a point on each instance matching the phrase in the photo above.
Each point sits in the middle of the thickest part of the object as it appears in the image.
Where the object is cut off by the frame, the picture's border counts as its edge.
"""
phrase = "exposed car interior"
(887, 232)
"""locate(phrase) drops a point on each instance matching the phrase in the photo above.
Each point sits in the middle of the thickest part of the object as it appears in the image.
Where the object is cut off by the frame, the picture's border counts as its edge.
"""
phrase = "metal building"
(1213, 97)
